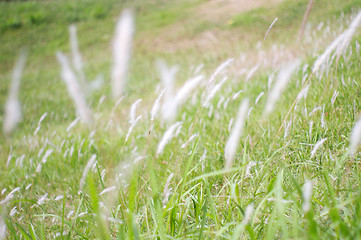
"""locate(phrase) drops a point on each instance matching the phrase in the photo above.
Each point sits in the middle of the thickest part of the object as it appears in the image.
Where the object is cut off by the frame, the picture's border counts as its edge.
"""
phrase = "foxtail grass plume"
(133, 110)
(171, 105)
(13, 113)
(322, 61)
(355, 138)
(76, 57)
(339, 45)
(248, 214)
(317, 146)
(218, 70)
(213, 91)
(307, 194)
(342, 46)
(88, 166)
(283, 78)
(74, 89)
(167, 137)
(167, 190)
(167, 77)
(122, 49)
(156, 106)
(233, 140)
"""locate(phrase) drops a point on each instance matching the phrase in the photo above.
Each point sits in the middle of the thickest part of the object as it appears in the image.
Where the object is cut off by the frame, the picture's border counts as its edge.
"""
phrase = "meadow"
(230, 124)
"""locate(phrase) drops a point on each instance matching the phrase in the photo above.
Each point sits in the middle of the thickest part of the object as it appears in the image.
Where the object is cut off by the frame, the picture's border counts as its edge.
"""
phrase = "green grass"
(205, 201)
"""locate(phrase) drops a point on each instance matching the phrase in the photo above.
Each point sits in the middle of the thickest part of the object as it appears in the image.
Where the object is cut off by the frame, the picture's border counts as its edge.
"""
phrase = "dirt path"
(206, 29)
(220, 10)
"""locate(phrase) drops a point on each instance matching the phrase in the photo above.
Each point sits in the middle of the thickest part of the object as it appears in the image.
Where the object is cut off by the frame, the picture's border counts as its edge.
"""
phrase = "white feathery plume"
(10, 196)
(72, 124)
(186, 89)
(355, 138)
(182, 95)
(44, 159)
(189, 140)
(319, 65)
(248, 214)
(88, 166)
(39, 123)
(282, 80)
(219, 69)
(317, 146)
(213, 92)
(314, 110)
(108, 189)
(303, 93)
(252, 72)
(287, 130)
(341, 48)
(156, 106)
(236, 95)
(167, 76)
(167, 137)
(59, 197)
(77, 59)
(233, 140)
(74, 89)
(122, 48)
(133, 110)
(334, 96)
(258, 98)
(167, 191)
(42, 199)
(13, 113)
(323, 124)
(133, 123)
(307, 194)
(172, 104)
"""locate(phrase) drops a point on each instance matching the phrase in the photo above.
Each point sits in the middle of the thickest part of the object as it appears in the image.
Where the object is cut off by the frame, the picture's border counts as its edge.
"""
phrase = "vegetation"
(295, 172)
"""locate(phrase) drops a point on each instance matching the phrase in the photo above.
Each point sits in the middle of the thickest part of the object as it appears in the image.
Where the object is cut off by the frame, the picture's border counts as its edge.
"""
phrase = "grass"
(185, 192)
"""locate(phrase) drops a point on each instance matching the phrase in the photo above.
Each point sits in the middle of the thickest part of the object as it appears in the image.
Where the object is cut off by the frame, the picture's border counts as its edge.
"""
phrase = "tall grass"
(222, 161)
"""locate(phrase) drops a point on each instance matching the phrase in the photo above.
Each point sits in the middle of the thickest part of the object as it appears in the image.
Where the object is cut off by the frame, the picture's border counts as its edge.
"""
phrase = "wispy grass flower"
(283, 78)
(122, 49)
(133, 110)
(76, 57)
(317, 146)
(13, 114)
(74, 89)
(167, 137)
(42, 199)
(307, 194)
(345, 42)
(167, 190)
(321, 62)
(156, 106)
(233, 140)
(167, 77)
(213, 92)
(355, 138)
(39, 123)
(88, 166)
(218, 70)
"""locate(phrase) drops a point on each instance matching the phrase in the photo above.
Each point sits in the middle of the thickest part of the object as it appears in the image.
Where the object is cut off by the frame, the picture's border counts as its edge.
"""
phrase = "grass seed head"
(122, 48)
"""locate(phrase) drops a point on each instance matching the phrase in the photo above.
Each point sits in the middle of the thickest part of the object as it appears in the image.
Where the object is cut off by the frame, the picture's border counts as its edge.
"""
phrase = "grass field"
(263, 143)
